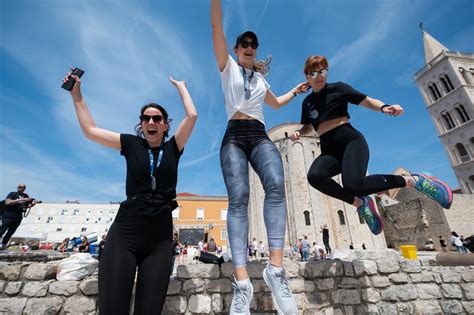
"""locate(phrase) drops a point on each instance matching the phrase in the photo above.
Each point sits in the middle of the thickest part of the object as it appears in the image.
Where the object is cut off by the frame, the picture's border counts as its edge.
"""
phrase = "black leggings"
(345, 151)
(10, 224)
(146, 245)
(326, 244)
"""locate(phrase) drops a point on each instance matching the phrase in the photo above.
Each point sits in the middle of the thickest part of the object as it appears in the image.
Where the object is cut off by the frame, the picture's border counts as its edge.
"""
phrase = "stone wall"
(385, 284)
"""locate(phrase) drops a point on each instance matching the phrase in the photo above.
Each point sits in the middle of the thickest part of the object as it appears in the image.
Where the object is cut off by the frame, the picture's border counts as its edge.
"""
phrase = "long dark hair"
(454, 234)
(138, 127)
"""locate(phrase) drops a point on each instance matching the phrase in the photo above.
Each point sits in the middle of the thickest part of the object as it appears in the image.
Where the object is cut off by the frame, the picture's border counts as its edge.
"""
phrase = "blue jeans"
(246, 141)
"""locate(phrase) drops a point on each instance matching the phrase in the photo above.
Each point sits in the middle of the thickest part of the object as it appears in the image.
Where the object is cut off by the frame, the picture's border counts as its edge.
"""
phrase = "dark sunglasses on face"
(315, 74)
(20, 187)
(155, 118)
(245, 44)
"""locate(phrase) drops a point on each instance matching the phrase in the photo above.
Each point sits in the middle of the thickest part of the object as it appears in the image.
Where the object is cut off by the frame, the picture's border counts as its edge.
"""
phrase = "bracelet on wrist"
(294, 93)
(383, 106)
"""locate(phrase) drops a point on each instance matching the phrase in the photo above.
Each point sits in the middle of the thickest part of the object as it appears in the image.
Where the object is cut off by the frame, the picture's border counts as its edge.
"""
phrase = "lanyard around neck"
(246, 81)
(154, 167)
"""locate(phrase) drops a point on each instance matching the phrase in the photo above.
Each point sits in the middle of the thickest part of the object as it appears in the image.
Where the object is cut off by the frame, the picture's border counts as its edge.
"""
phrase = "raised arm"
(187, 124)
(220, 46)
(101, 136)
(377, 105)
(277, 102)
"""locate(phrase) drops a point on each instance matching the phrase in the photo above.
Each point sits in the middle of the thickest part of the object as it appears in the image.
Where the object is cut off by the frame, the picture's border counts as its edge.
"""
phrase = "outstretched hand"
(177, 83)
(302, 88)
(394, 110)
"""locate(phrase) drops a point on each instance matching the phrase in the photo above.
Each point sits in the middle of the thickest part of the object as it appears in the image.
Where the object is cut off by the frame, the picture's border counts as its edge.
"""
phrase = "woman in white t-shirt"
(245, 90)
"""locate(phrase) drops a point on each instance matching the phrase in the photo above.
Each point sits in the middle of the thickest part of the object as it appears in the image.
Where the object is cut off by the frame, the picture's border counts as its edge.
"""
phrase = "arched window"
(448, 86)
(342, 220)
(307, 221)
(461, 111)
(448, 121)
(462, 152)
(361, 218)
(435, 93)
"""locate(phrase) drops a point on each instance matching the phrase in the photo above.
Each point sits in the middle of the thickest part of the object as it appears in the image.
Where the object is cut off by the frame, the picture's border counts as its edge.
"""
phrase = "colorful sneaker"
(281, 292)
(435, 189)
(368, 211)
(241, 300)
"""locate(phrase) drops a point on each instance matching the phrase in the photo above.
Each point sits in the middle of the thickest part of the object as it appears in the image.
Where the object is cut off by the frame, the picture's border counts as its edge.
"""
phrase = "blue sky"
(128, 49)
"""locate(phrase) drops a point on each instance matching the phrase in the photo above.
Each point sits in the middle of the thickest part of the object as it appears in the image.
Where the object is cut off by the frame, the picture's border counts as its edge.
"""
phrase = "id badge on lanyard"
(153, 167)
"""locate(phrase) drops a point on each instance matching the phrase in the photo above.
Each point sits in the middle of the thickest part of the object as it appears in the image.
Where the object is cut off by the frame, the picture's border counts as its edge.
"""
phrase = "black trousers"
(144, 247)
(345, 151)
(9, 225)
(326, 244)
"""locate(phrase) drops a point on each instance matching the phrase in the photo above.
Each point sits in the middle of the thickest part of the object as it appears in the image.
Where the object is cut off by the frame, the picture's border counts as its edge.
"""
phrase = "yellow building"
(201, 218)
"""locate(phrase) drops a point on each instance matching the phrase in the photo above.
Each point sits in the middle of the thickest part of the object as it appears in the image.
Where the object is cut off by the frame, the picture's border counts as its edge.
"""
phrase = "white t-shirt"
(232, 81)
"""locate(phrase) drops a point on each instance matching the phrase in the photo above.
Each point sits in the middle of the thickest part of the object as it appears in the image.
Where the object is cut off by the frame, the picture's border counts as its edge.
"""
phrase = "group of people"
(140, 238)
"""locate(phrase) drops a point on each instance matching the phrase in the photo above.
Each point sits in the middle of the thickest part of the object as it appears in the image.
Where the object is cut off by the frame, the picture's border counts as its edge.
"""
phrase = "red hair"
(314, 62)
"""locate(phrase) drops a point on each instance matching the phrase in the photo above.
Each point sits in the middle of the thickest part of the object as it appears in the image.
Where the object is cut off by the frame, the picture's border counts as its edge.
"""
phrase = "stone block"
(44, 271)
(217, 303)
(32, 289)
(364, 267)
(66, 288)
(301, 286)
(370, 309)
(451, 307)
(387, 309)
(325, 283)
(316, 300)
(397, 293)
(410, 266)
(91, 286)
(451, 291)
(194, 286)
(292, 269)
(468, 275)
(80, 305)
(175, 304)
(450, 277)
(322, 268)
(255, 269)
(348, 283)
(405, 308)
(346, 297)
(468, 289)
(219, 285)
(227, 269)
(2, 285)
(370, 295)
(421, 277)
(364, 282)
(260, 286)
(387, 266)
(47, 305)
(200, 303)
(348, 268)
(427, 307)
(428, 291)
(262, 302)
(12, 305)
(468, 306)
(398, 278)
(10, 272)
(174, 287)
(380, 281)
(198, 271)
(13, 288)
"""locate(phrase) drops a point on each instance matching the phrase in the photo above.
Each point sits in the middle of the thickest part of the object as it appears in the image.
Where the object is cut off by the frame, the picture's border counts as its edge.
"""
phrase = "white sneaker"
(242, 298)
(281, 292)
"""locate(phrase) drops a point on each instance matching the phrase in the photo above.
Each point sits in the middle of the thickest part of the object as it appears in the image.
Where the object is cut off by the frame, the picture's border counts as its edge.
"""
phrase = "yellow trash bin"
(408, 251)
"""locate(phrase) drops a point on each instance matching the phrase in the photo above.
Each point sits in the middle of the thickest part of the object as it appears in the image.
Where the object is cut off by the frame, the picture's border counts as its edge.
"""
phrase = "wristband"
(383, 106)
(294, 93)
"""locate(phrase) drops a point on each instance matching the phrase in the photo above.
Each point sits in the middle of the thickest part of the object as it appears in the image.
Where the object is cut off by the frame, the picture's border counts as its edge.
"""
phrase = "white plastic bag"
(76, 267)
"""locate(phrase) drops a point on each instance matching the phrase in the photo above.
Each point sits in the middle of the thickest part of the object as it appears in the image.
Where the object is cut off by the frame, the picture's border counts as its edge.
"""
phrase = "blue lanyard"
(246, 81)
(153, 168)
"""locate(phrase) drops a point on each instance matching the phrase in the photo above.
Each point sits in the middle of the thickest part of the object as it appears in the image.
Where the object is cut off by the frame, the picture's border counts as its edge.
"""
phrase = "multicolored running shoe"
(368, 210)
(434, 188)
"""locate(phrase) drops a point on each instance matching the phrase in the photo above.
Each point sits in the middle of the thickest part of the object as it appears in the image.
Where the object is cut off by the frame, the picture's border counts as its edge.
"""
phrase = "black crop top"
(141, 199)
(328, 103)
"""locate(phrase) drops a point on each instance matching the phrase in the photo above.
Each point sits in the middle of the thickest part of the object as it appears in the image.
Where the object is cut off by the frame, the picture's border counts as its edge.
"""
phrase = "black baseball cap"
(249, 34)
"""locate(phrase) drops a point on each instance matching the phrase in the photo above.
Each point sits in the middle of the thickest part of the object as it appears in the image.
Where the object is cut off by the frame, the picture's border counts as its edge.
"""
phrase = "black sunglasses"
(21, 187)
(155, 118)
(245, 44)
